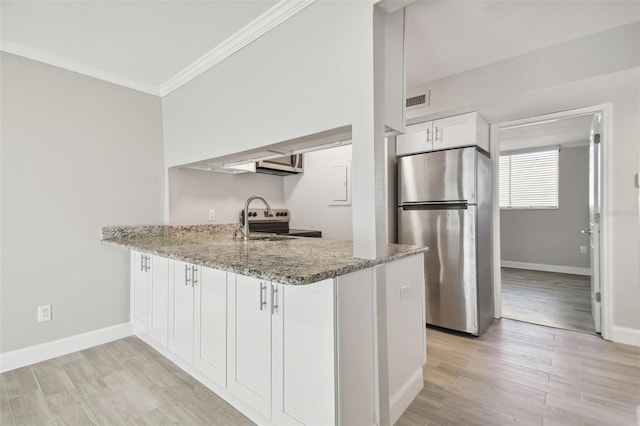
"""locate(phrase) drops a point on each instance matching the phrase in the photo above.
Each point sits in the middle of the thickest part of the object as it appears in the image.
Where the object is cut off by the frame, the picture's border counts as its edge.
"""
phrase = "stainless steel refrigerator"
(445, 200)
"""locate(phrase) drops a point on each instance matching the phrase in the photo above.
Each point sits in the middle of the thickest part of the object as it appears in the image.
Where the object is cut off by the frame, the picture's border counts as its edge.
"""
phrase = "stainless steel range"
(277, 223)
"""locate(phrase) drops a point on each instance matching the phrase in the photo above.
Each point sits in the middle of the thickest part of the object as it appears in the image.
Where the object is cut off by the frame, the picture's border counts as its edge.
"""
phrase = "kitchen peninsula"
(287, 330)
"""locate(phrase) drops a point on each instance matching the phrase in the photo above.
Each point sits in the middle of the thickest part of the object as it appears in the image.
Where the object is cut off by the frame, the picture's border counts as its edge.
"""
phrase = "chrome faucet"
(244, 226)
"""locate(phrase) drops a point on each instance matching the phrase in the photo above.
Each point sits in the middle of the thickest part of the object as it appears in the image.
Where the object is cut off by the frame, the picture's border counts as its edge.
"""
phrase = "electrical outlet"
(212, 214)
(583, 249)
(44, 313)
(404, 292)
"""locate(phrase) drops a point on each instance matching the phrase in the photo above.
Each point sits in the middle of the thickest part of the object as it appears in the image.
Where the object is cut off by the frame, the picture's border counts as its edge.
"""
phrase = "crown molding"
(78, 67)
(273, 17)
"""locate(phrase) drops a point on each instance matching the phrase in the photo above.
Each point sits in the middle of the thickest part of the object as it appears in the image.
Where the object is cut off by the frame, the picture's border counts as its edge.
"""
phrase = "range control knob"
(285, 213)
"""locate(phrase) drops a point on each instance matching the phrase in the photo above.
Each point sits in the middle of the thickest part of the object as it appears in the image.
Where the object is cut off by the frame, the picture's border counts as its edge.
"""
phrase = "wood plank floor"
(547, 298)
(521, 373)
(125, 382)
(515, 373)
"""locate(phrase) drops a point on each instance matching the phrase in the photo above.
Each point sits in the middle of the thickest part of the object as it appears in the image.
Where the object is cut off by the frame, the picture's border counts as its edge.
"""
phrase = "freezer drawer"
(450, 264)
(436, 176)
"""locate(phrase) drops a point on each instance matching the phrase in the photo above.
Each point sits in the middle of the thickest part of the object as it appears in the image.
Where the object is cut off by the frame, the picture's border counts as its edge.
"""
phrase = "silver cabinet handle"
(263, 294)
(187, 269)
(274, 298)
(147, 263)
(142, 257)
(194, 276)
(436, 133)
(428, 135)
(586, 231)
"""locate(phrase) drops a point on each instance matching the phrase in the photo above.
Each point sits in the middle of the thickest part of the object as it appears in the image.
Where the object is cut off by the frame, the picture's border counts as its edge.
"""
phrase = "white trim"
(399, 402)
(78, 67)
(38, 353)
(273, 17)
(626, 335)
(547, 268)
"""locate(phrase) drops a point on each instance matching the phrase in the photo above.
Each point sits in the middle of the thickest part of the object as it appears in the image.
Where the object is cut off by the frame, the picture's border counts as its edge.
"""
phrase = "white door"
(595, 204)
(249, 343)
(450, 132)
(159, 299)
(140, 265)
(304, 386)
(210, 354)
(181, 312)
(418, 138)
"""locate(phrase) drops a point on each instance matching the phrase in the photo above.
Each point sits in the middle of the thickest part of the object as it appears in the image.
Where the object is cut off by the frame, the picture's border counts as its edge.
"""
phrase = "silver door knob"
(586, 231)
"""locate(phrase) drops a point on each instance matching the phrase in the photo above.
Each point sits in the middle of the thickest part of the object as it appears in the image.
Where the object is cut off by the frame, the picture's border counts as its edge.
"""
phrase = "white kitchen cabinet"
(210, 331)
(149, 295)
(303, 344)
(140, 283)
(418, 138)
(181, 310)
(158, 306)
(249, 341)
(450, 132)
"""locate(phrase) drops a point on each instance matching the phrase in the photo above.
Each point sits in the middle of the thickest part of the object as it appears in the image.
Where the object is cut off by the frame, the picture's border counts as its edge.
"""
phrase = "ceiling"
(444, 38)
(147, 45)
(139, 44)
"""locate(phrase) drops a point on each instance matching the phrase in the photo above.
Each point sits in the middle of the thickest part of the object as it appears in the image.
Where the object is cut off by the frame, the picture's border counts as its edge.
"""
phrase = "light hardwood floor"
(515, 373)
(125, 382)
(521, 373)
(547, 298)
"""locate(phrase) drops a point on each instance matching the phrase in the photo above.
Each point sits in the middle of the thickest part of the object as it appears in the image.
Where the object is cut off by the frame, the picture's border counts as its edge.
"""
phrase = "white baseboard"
(629, 336)
(399, 402)
(547, 268)
(38, 353)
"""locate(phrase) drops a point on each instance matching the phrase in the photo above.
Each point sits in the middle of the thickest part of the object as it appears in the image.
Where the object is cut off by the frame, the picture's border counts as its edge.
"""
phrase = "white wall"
(193, 192)
(77, 153)
(307, 196)
(302, 77)
(552, 236)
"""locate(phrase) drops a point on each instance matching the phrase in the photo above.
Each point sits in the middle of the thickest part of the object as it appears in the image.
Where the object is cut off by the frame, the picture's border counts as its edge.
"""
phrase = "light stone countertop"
(297, 260)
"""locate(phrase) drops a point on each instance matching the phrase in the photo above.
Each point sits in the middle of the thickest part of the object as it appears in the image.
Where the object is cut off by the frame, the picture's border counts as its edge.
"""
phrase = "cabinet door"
(139, 290)
(418, 138)
(181, 312)
(159, 299)
(456, 131)
(249, 343)
(304, 388)
(210, 354)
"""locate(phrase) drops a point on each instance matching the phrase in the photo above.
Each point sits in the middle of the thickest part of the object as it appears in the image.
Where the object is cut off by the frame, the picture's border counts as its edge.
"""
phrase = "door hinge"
(596, 138)
(598, 297)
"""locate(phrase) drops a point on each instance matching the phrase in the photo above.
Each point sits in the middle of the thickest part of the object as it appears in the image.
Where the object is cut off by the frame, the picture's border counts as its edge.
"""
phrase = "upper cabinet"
(450, 132)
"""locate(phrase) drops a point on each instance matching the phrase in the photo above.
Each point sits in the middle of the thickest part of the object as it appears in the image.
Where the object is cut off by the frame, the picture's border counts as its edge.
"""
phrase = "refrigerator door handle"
(444, 205)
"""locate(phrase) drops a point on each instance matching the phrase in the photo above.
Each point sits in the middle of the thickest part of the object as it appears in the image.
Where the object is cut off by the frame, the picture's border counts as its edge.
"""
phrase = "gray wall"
(77, 153)
(552, 237)
(193, 192)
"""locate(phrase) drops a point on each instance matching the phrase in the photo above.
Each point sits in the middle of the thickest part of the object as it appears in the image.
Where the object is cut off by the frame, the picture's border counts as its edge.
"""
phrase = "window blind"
(529, 180)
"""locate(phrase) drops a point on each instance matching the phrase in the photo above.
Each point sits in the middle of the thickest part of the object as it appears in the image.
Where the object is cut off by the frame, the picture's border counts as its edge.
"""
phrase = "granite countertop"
(296, 260)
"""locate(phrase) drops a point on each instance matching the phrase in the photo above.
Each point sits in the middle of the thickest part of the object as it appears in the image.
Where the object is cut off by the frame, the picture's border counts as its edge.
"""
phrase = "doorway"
(547, 228)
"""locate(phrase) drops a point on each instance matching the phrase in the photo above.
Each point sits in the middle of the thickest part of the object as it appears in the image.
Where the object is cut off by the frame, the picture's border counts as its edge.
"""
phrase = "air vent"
(418, 101)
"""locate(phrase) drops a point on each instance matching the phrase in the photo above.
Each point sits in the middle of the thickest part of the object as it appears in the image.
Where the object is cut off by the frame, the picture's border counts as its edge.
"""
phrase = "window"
(529, 180)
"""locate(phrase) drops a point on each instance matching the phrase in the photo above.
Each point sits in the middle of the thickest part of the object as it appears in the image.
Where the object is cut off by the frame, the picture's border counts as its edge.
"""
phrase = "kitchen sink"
(269, 238)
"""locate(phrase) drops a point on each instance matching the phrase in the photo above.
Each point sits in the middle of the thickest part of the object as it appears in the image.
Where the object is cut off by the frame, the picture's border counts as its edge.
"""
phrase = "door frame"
(605, 234)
